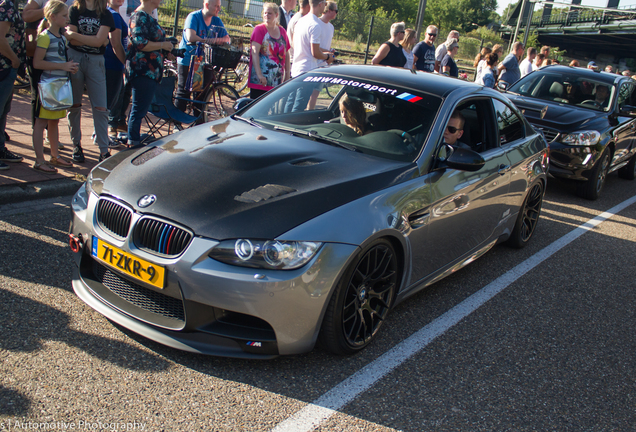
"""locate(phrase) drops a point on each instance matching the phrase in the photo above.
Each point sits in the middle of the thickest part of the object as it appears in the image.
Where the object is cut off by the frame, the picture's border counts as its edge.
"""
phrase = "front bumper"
(206, 306)
(573, 162)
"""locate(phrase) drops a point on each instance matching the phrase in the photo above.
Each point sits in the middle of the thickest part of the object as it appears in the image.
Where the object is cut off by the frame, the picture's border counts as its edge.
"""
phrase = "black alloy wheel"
(362, 300)
(528, 217)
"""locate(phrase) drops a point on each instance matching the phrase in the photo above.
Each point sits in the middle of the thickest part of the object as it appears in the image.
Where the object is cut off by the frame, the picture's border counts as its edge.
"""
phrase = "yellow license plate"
(129, 264)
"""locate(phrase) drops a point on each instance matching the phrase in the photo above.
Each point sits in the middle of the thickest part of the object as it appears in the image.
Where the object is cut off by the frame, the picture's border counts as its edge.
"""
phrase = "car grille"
(161, 237)
(550, 134)
(139, 296)
(150, 234)
(114, 217)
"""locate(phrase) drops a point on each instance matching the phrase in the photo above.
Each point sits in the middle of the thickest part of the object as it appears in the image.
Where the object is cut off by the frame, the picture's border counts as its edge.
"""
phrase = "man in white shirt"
(307, 53)
(330, 12)
(441, 51)
(526, 65)
(291, 26)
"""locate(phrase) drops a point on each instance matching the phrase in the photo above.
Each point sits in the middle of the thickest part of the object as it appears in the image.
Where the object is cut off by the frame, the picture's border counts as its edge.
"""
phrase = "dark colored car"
(259, 234)
(588, 119)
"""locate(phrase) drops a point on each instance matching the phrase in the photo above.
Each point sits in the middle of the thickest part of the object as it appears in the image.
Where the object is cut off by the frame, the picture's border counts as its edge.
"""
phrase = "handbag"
(55, 93)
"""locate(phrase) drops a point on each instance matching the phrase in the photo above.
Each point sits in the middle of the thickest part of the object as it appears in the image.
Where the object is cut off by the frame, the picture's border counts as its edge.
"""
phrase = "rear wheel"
(591, 189)
(362, 300)
(237, 77)
(528, 217)
(219, 102)
(628, 172)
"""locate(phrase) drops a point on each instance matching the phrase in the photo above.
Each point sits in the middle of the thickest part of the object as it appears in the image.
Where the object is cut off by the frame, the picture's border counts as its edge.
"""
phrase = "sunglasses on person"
(452, 129)
(432, 34)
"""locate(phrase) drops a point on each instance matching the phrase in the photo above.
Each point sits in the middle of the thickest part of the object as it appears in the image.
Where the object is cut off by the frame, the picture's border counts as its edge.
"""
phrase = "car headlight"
(582, 138)
(266, 254)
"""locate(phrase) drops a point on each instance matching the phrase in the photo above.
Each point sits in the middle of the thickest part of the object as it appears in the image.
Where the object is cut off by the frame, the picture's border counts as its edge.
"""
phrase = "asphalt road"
(553, 349)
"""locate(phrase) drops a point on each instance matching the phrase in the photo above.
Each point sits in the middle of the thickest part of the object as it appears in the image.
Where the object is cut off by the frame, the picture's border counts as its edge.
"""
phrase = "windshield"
(566, 89)
(356, 114)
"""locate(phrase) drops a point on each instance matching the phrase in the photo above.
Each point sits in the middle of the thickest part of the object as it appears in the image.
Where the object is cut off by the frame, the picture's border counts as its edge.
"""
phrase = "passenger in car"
(353, 114)
(573, 93)
(454, 130)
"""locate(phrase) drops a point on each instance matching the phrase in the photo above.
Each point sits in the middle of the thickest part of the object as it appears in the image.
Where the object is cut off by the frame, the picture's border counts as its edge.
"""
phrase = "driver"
(454, 130)
(602, 95)
(353, 114)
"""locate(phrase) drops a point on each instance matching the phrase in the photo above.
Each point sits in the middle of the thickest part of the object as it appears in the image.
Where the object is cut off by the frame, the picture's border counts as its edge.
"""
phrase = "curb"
(32, 191)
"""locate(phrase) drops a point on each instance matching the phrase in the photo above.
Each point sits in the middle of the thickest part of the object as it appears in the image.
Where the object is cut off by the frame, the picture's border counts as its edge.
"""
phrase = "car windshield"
(566, 89)
(356, 114)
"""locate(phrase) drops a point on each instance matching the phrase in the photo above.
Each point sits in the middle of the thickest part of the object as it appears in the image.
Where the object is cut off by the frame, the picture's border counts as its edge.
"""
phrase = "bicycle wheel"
(237, 77)
(219, 102)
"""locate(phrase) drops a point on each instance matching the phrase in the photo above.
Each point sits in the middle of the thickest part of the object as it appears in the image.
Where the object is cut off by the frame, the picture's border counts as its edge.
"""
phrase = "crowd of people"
(115, 50)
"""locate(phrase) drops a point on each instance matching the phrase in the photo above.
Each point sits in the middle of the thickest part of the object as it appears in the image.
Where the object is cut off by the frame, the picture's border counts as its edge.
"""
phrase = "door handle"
(503, 169)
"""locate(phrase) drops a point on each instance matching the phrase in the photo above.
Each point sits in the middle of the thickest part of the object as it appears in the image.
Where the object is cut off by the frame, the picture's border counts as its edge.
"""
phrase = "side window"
(477, 115)
(626, 94)
(509, 124)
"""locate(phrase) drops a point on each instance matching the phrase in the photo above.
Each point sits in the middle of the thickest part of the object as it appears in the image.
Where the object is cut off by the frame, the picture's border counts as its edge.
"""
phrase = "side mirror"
(502, 85)
(628, 111)
(459, 158)
(242, 103)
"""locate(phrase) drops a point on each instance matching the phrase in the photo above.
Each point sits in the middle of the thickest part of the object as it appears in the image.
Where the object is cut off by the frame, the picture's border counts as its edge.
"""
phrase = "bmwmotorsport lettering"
(352, 83)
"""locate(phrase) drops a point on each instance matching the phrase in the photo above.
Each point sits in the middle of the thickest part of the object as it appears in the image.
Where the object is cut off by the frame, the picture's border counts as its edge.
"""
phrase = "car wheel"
(591, 189)
(628, 172)
(527, 218)
(362, 300)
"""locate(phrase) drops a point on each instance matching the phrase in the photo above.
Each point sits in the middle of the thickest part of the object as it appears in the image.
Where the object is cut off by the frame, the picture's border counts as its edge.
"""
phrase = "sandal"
(58, 161)
(44, 167)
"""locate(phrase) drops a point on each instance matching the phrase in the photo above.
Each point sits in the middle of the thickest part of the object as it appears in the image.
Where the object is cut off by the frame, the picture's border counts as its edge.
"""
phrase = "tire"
(628, 172)
(591, 189)
(238, 77)
(361, 301)
(528, 217)
(220, 101)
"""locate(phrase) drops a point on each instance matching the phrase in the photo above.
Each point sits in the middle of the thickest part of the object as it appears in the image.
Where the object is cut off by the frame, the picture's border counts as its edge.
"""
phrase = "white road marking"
(312, 415)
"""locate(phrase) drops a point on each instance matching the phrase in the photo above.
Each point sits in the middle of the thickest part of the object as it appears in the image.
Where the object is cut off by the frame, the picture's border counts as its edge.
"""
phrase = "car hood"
(561, 117)
(228, 179)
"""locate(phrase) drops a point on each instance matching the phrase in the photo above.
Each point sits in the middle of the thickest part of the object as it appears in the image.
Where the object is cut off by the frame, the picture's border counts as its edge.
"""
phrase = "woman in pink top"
(269, 59)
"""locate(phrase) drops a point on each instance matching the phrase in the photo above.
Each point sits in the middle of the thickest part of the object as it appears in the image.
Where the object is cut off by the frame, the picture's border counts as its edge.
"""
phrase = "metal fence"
(354, 32)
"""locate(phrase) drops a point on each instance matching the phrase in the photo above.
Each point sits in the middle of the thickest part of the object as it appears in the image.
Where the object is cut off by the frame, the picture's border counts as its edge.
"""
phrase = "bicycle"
(216, 99)
(238, 77)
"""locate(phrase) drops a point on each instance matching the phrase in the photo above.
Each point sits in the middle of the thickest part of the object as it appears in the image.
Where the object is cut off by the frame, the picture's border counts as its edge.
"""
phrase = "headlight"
(582, 138)
(266, 254)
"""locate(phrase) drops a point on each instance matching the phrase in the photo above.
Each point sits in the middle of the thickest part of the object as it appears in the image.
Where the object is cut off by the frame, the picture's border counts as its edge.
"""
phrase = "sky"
(502, 4)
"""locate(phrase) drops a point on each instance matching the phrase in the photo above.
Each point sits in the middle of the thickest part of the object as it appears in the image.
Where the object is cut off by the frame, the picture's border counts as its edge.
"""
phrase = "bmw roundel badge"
(146, 200)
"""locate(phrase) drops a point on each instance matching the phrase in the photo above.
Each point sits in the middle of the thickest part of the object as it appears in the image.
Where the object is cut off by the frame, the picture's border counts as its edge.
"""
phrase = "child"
(50, 56)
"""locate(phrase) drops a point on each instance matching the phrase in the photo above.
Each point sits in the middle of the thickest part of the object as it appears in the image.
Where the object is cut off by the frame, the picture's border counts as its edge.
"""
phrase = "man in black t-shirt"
(425, 51)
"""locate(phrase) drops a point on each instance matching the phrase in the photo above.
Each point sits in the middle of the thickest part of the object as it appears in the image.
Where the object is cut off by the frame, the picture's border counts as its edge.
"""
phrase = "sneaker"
(103, 157)
(7, 156)
(3, 166)
(112, 142)
(78, 154)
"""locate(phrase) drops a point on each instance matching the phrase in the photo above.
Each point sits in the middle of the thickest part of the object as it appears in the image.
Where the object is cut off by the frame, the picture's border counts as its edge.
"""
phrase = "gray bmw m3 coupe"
(289, 223)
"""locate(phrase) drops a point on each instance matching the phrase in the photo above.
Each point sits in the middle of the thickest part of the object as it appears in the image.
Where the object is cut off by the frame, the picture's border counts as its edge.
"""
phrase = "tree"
(459, 15)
